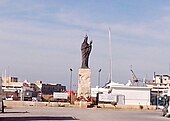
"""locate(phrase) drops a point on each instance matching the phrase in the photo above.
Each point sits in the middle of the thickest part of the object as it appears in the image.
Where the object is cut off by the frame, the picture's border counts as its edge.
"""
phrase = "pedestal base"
(84, 84)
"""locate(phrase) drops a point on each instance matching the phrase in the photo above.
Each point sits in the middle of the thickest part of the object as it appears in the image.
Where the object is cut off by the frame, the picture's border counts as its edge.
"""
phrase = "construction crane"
(134, 77)
(134, 81)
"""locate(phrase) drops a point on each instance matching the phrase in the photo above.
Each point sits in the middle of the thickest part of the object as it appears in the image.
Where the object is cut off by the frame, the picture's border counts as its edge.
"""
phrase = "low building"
(15, 90)
(159, 84)
(132, 95)
(162, 80)
(49, 89)
(11, 88)
(124, 95)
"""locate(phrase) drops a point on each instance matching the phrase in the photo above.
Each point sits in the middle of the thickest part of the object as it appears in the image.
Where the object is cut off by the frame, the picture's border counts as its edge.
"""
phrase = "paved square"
(67, 114)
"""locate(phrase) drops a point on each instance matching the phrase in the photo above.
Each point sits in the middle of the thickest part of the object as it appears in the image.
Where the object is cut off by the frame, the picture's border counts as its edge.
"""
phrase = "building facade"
(124, 95)
(49, 89)
(159, 84)
(162, 80)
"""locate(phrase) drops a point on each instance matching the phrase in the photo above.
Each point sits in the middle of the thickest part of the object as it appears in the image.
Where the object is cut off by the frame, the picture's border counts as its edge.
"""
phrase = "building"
(15, 90)
(48, 89)
(162, 80)
(159, 84)
(11, 88)
(7, 80)
(39, 84)
(123, 94)
(132, 95)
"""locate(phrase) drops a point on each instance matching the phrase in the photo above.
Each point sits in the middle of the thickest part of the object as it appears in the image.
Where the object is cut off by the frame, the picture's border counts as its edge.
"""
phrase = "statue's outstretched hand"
(91, 42)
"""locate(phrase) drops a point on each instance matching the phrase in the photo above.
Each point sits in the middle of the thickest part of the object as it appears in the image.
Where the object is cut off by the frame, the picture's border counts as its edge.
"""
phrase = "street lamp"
(70, 83)
(99, 77)
(97, 96)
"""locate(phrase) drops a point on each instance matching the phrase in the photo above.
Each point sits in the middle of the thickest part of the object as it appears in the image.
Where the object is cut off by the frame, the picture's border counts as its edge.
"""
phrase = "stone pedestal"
(84, 84)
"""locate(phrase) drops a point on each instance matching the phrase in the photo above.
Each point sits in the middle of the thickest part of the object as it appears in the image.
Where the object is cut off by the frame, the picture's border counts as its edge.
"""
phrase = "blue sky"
(40, 40)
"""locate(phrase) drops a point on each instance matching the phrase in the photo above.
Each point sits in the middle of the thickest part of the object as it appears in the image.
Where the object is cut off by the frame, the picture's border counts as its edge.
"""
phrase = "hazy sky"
(40, 39)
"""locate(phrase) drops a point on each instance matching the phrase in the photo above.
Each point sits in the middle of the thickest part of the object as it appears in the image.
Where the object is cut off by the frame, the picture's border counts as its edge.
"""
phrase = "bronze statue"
(85, 50)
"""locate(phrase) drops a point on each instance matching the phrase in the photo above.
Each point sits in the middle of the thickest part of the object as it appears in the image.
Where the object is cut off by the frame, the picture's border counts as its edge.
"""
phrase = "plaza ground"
(82, 114)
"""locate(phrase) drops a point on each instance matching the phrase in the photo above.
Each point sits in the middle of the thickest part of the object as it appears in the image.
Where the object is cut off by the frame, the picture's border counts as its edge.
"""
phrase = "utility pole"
(110, 54)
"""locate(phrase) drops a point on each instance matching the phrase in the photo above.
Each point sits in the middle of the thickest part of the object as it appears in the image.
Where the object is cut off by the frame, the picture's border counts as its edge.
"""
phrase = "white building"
(133, 95)
(162, 80)
(13, 89)
(159, 84)
(122, 94)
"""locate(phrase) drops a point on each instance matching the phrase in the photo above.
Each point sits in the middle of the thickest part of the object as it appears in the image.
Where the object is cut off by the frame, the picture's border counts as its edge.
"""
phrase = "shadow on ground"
(15, 112)
(37, 118)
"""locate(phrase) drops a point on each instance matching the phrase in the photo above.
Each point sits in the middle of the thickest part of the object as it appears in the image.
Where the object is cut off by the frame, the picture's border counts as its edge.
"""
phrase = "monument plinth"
(84, 83)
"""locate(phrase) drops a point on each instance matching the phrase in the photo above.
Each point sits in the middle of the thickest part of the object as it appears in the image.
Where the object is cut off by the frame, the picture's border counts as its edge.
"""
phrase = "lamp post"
(99, 78)
(70, 83)
(98, 84)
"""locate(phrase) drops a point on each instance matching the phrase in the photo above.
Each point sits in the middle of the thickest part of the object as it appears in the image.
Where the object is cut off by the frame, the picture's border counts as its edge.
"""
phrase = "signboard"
(60, 95)
(107, 97)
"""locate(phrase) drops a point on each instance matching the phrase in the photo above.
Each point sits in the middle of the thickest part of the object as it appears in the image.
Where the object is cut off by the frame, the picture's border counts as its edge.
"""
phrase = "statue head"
(85, 38)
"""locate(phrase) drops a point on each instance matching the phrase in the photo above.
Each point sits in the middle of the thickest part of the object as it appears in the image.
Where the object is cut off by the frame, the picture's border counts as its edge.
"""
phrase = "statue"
(85, 50)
